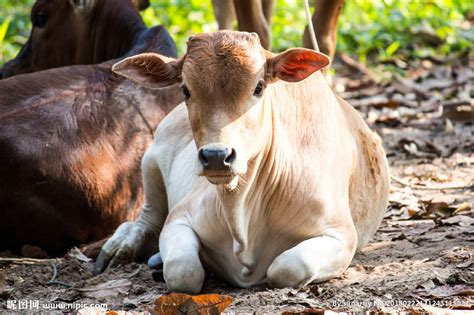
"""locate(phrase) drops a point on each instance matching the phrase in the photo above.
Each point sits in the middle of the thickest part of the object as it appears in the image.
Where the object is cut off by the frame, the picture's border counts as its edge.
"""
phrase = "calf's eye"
(40, 20)
(185, 90)
(259, 88)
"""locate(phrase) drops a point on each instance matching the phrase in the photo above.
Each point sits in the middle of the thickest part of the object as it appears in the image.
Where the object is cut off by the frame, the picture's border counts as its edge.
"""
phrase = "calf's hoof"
(155, 261)
(184, 275)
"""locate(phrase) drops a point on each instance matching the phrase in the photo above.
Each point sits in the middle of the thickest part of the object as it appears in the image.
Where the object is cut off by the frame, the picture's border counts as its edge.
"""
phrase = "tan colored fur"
(309, 185)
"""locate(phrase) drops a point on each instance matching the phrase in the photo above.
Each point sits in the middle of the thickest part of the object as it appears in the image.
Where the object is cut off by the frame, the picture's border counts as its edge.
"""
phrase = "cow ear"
(296, 64)
(82, 6)
(150, 70)
(141, 4)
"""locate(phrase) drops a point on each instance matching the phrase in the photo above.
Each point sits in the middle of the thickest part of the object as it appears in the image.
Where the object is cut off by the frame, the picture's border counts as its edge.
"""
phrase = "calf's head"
(67, 32)
(224, 77)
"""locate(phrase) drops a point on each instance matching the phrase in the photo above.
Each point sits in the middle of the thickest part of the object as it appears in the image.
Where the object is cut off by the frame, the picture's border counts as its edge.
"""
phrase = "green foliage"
(406, 29)
(384, 29)
(14, 27)
(182, 18)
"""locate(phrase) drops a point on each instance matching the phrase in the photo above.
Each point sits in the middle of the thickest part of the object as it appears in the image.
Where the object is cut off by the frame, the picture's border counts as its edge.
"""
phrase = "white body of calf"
(303, 184)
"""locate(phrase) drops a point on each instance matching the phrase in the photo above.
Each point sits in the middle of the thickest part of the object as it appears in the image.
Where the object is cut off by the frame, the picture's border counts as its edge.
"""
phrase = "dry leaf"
(461, 220)
(109, 288)
(459, 112)
(91, 311)
(441, 209)
(462, 207)
(178, 303)
(357, 273)
(442, 311)
(445, 291)
(317, 311)
(124, 313)
(376, 101)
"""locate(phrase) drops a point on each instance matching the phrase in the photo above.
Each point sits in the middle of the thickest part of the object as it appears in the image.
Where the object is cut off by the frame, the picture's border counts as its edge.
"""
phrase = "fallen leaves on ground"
(4, 289)
(445, 291)
(178, 303)
(444, 311)
(109, 288)
(313, 311)
(439, 209)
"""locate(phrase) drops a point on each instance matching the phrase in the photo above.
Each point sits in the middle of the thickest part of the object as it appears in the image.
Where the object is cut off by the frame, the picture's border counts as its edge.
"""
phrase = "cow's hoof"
(131, 241)
(155, 261)
(184, 276)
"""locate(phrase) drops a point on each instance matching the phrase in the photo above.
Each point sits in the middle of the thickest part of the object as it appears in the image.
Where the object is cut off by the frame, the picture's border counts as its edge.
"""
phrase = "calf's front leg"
(314, 260)
(179, 248)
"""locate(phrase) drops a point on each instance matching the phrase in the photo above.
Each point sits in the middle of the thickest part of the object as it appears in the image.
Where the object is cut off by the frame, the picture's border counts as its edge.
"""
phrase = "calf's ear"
(150, 70)
(296, 64)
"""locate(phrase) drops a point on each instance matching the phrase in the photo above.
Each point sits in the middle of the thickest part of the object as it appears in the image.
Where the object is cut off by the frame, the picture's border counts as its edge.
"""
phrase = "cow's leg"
(314, 260)
(325, 17)
(179, 247)
(267, 7)
(139, 239)
(251, 19)
(224, 13)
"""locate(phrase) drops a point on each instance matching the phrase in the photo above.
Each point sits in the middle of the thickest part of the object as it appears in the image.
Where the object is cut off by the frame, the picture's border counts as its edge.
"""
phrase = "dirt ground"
(421, 256)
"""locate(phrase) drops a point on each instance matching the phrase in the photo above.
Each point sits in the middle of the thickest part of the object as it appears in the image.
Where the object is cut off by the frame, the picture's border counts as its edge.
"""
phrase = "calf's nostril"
(202, 158)
(230, 158)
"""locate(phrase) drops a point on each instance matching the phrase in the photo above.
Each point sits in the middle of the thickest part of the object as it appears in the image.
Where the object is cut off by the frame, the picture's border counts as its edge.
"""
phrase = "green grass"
(380, 30)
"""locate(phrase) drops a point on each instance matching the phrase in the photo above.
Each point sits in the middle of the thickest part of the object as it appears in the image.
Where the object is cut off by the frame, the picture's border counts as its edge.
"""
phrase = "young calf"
(264, 175)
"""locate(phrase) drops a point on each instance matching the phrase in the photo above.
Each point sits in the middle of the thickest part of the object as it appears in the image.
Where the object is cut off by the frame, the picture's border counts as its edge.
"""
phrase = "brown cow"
(70, 32)
(255, 16)
(264, 175)
(71, 141)
(325, 17)
(252, 16)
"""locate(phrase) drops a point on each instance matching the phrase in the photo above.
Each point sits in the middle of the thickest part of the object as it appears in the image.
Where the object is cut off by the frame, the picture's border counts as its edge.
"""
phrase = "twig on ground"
(133, 274)
(423, 187)
(25, 261)
(55, 274)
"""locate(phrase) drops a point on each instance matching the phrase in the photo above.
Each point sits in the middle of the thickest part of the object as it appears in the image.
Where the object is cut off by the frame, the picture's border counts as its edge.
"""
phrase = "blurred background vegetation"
(368, 29)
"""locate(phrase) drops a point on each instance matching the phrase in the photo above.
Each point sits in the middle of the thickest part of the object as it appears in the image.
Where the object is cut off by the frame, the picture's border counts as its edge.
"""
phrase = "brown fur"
(71, 141)
(106, 30)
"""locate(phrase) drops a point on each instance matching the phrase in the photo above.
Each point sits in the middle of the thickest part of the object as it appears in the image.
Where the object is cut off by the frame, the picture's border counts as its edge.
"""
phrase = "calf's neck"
(264, 175)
